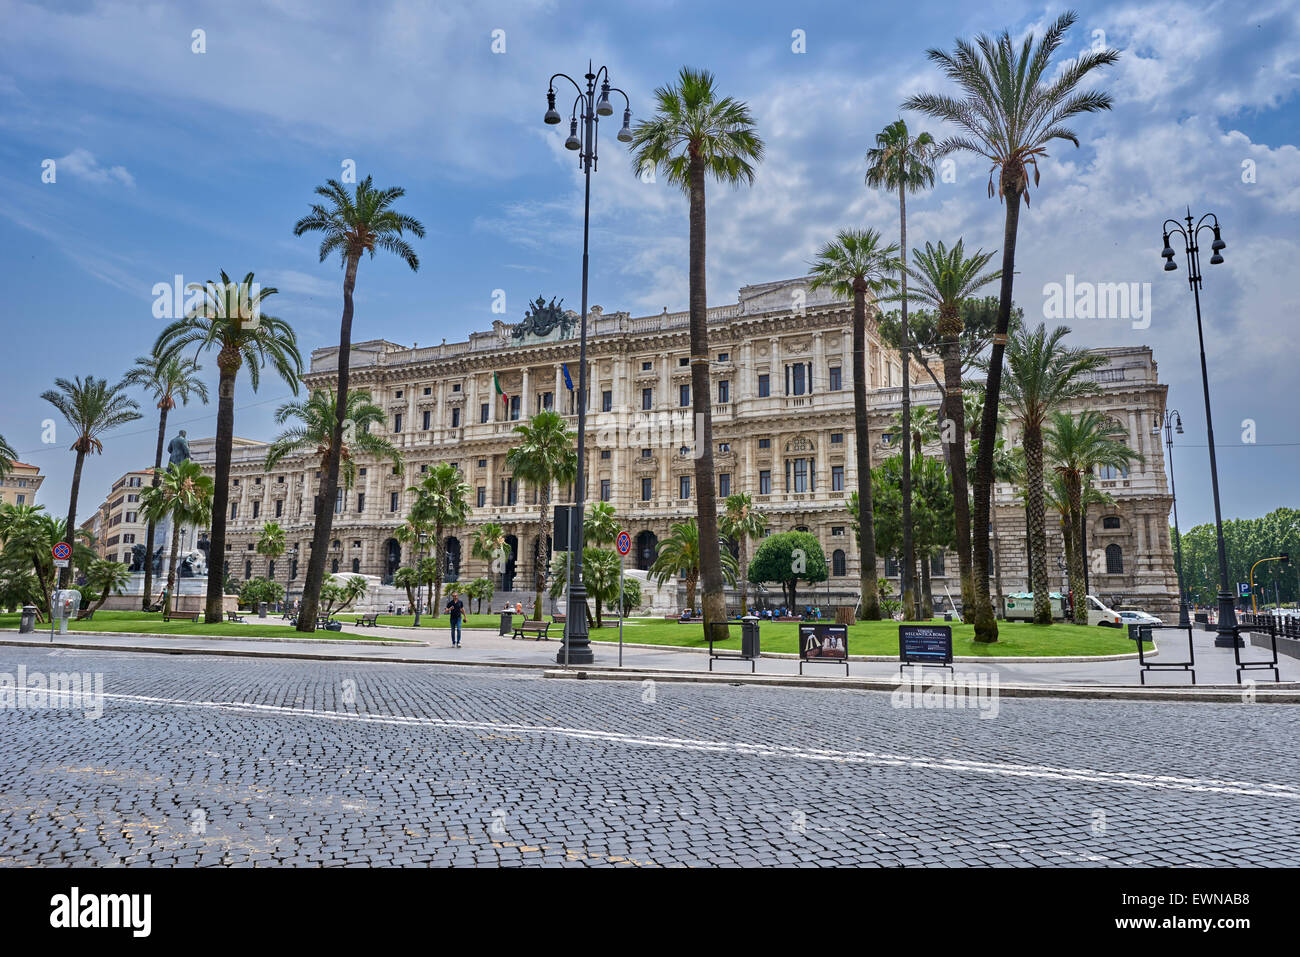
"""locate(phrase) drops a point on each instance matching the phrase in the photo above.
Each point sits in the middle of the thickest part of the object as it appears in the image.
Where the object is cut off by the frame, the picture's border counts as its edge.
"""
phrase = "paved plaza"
(231, 761)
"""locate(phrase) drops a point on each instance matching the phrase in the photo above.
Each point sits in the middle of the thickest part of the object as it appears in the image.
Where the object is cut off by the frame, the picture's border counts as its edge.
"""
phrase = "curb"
(1223, 694)
(313, 641)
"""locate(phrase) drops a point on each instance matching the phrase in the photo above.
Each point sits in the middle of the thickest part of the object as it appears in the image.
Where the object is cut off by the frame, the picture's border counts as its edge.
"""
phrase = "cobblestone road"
(226, 761)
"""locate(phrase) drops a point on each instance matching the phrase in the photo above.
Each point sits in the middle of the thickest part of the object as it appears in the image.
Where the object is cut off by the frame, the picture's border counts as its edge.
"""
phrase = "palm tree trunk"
(330, 478)
(1075, 557)
(172, 558)
(997, 569)
(706, 504)
(70, 530)
(1037, 523)
(741, 576)
(690, 594)
(862, 447)
(955, 412)
(986, 626)
(542, 566)
(228, 364)
(150, 528)
(908, 583)
(927, 597)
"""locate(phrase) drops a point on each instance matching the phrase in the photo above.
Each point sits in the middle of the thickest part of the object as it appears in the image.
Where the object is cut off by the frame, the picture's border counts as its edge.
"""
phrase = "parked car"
(1132, 616)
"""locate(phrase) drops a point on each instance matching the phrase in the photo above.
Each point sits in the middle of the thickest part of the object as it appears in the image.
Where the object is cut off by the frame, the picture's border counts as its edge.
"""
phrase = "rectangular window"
(604, 453)
(724, 390)
(646, 453)
(234, 510)
(647, 399)
(800, 475)
(837, 478)
(607, 401)
(483, 412)
(257, 508)
(604, 490)
(455, 418)
(397, 422)
(514, 408)
(724, 446)
(836, 379)
(765, 482)
(797, 379)
(426, 420)
(482, 496)
(684, 486)
(724, 356)
(764, 386)
(724, 484)
(684, 395)
(837, 438)
(764, 443)
(361, 501)
(684, 361)
(647, 489)
(392, 501)
(338, 503)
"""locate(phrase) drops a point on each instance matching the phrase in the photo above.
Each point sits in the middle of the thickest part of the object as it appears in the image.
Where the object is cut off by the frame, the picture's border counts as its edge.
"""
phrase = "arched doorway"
(647, 546)
(508, 573)
(451, 559)
(393, 561)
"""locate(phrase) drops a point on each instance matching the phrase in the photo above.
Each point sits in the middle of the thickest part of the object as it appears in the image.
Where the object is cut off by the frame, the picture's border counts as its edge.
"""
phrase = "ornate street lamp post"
(1227, 625)
(419, 585)
(577, 643)
(1173, 423)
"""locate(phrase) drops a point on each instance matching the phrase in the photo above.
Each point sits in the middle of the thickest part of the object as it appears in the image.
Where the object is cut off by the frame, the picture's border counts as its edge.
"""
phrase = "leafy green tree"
(230, 319)
(184, 495)
(854, 264)
(932, 516)
(788, 558)
(168, 381)
(1011, 106)
(696, 134)
(544, 455)
(260, 589)
(631, 596)
(740, 522)
(92, 408)
(106, 578)
(351, 226)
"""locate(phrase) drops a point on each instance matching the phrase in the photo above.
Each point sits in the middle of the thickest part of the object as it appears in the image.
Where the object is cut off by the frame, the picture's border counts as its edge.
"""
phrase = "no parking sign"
(624, 543)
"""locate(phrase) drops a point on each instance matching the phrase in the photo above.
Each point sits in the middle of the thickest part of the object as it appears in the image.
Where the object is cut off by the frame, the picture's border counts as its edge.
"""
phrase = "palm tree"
(313, 430)
(1010, 110)
(440, 502)
(28, 534)
(415, 534)
(600, 527)
(903, 162)
(1042, 375)
(107, 578)
(183, 495)
(696, 134)
(944, 280)
(169, 382)
(740, 522)
(92, 407)
(270, 544)
(544, 454)
(853, 265)
(7, 458)
(490, 545)
(350, 226)
(679, 554)
(408, 578)
(1009, 467)
(230, 319)
(1076, 445)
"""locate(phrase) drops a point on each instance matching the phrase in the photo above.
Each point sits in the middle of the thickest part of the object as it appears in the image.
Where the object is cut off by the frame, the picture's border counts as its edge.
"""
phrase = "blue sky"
(173, 162)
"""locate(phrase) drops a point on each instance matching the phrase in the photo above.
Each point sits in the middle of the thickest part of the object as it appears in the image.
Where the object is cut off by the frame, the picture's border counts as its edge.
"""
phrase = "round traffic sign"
(624, 543)
(62, 551)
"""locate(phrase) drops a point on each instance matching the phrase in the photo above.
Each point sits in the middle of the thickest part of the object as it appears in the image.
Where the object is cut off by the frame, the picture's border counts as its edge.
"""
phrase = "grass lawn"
(144, 623)
(429, 621)
(1015, 639)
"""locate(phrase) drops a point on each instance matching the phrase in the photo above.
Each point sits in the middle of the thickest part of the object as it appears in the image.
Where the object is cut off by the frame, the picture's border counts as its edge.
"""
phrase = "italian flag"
(496, 384)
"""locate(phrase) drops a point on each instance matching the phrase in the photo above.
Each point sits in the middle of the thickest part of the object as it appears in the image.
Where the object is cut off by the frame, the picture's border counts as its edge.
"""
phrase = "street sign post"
(624, 545)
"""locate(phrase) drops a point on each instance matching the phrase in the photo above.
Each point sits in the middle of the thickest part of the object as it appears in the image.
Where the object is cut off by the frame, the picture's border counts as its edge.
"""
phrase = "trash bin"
(27, 624)
(507, 623)
(749, 637)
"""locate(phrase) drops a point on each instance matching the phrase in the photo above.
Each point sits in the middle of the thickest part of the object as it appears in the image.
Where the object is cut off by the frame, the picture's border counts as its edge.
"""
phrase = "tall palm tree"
(854, 264)
(271, 545)
(313, 430)
(1076, 444)
(680, 554)
(740, 522)
(945, 278)
(1042, 375)
(696, 134)
(183, 495)
(92, 407)
(7, 458)
(490, 545)
(441, 500)
(230, 319)
(543, 455)
(903, 162)
(350, 225)
(1010, 109)
(600, 527)
(171, 382)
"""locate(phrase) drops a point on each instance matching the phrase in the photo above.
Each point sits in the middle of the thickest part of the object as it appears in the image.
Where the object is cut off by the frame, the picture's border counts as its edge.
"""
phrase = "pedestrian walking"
(455, 609)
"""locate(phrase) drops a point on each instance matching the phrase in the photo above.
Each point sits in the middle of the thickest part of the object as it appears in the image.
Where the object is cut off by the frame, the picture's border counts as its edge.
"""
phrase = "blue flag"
(568, 382)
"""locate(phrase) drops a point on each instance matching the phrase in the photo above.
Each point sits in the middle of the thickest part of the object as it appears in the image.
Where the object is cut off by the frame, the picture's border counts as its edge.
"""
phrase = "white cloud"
(81, 163)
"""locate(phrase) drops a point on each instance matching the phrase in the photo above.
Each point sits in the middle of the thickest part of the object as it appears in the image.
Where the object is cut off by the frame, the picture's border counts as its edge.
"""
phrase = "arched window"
(451, 559)
(839, 567)
(1114, 560)
(647, 547)
(1111, 521)
(334, 566)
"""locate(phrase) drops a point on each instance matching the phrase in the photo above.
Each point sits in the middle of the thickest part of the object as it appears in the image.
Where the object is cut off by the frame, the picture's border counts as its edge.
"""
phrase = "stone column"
(525, 398)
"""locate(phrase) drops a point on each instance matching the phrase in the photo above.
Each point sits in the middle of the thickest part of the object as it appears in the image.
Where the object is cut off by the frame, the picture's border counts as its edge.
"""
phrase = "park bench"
(234, 616)
(537, 629)
(370, 621)
(191, 615)
(722, 632)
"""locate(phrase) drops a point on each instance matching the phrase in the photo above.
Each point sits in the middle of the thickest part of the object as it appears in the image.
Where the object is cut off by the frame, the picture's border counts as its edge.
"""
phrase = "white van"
(1020, 607)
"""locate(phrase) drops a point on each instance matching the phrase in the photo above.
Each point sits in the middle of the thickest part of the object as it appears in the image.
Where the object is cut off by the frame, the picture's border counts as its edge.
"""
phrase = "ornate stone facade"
(783, 426)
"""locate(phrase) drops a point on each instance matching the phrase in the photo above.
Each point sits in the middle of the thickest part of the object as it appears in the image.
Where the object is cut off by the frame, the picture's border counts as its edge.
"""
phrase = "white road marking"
(1087, 775)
